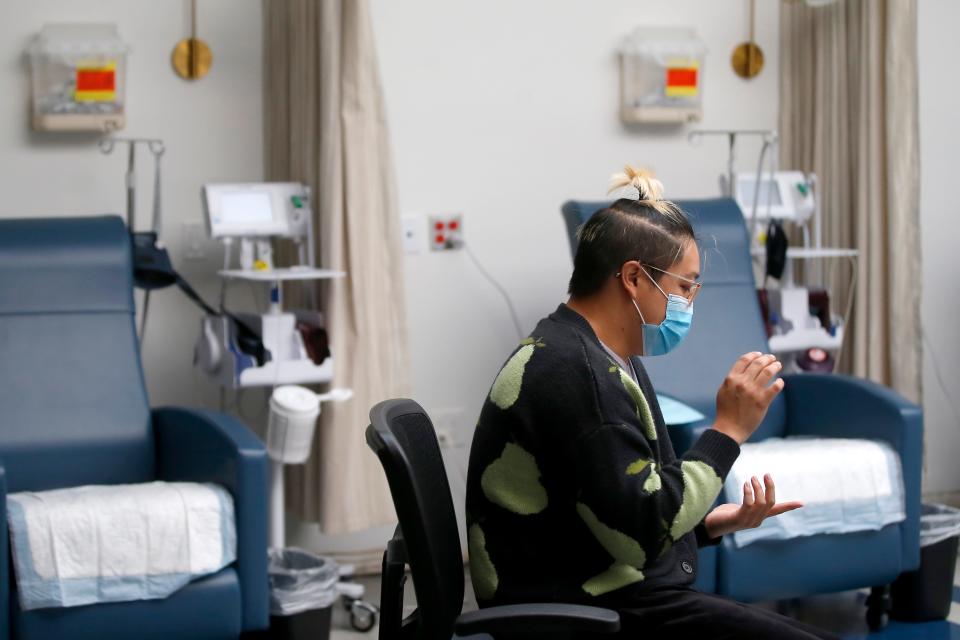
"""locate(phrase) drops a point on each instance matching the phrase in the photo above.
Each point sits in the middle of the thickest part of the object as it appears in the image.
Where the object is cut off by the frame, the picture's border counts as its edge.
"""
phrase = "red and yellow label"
(682, 80)
(96, 83)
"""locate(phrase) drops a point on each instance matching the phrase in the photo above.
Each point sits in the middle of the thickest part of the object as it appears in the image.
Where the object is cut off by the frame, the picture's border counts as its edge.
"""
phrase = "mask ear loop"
(637, 307)
(655, 283)
(634, 300)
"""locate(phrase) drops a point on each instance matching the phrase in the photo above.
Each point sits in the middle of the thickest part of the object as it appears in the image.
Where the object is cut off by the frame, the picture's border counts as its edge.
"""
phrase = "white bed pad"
(117, 543)
(846, 485)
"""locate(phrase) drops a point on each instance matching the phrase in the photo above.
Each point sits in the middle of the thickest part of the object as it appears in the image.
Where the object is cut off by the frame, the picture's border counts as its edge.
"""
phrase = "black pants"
(686, 613)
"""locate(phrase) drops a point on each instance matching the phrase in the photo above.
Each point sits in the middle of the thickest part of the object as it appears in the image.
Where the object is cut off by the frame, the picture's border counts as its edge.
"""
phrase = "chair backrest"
(73, 406)
(727, 322)
(402, 436)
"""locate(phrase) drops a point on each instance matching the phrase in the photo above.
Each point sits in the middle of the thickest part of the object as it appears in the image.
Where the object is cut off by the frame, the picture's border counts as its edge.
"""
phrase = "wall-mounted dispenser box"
(661, 76)
(78, 76)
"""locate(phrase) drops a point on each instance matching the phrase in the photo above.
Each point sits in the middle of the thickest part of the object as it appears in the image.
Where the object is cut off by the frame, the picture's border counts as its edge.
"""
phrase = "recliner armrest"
(205, 446)
(538, 619)
(839, 406)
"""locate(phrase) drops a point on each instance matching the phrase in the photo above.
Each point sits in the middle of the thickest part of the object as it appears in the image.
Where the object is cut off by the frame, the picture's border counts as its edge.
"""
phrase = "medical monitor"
(783, 195)
(254, 209)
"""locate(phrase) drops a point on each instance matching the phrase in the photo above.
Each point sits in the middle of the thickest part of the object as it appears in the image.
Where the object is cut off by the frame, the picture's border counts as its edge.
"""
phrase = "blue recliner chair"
(728, 324)
(74, 411)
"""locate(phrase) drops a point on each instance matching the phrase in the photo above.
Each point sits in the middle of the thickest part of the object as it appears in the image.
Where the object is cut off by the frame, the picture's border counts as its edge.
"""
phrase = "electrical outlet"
(446, 232)
(445, 423)
(445, 439)
(411, 225)
(194, 238)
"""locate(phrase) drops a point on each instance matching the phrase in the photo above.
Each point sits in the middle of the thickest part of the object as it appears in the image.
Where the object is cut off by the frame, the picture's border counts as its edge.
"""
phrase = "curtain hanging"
(848, 112)
(325, 126)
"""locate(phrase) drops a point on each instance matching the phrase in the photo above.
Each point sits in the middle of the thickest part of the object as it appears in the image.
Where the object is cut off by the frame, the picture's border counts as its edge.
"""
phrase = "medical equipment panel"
(256, 210)
(78, 73)
(784, 195)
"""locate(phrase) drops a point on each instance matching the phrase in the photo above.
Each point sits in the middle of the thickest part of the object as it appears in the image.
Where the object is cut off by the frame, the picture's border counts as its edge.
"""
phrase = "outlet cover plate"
(446, 231)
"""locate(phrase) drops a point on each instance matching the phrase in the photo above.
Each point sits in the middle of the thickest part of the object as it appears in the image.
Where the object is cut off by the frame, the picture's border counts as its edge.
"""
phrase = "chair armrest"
(205, 446)
(5, 575)
(846, 407)
(682, 436)
(538, 619)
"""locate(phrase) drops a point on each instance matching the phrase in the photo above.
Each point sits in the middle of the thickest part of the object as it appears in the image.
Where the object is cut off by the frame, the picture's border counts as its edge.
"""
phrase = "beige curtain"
(325, 125)
(848, 112)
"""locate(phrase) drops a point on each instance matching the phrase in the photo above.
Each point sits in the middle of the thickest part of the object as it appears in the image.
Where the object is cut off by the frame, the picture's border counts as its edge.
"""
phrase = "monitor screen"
(245, 208)
(769, 192)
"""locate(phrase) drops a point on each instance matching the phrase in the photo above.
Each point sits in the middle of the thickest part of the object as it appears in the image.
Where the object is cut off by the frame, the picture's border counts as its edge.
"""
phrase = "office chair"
(426, 540)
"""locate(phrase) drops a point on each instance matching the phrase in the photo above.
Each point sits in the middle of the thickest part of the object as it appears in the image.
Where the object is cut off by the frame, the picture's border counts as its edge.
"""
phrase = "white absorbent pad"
(845, 485)
(117, 543)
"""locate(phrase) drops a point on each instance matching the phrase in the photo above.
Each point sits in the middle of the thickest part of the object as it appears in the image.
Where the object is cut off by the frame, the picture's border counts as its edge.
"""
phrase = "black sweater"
(574, 492)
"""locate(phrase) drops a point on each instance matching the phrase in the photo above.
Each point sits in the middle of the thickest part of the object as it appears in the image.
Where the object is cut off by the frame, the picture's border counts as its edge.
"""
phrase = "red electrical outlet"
(446, 232)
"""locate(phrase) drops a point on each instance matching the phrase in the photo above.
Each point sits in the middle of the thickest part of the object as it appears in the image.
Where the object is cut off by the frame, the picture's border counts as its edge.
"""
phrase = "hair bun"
(647, 186)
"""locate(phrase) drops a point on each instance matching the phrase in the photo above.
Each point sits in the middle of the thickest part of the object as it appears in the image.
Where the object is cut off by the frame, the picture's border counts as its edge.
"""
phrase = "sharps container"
(293, 418)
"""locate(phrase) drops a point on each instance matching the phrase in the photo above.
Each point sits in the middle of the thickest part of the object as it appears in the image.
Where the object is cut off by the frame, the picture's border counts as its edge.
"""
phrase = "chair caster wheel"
(363, 615)
(878, 606)
(876, 619)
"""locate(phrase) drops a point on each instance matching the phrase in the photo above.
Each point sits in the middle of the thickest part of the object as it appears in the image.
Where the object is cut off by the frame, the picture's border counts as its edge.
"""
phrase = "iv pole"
(769, 137)
(727, 188)
(157, 148)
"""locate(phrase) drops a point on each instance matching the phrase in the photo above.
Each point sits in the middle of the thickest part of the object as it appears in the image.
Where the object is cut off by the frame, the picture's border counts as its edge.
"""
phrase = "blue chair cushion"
(208, 609)
(775, 570)
(65, 265)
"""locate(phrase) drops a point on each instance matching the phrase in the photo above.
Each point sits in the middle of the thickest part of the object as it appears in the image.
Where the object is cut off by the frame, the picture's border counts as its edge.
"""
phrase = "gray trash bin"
(303, 588)
(925, 594)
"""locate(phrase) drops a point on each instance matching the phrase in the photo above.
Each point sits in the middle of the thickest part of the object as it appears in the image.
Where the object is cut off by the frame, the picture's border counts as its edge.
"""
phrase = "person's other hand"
(759, 503)
(746, 394)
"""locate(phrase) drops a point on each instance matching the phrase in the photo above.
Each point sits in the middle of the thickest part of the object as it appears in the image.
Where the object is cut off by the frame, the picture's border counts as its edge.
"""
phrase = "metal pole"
(277, 524)
(131, 185)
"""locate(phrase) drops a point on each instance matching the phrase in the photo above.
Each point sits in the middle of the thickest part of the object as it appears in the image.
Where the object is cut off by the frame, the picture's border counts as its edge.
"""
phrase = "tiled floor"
(842, 613)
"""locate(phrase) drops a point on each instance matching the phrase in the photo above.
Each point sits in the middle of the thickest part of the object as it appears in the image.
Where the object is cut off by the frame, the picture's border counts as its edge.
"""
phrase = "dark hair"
(651, 231)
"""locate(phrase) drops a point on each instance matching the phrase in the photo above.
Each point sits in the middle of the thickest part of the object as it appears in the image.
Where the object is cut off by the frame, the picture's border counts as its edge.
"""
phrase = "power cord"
(500, 289)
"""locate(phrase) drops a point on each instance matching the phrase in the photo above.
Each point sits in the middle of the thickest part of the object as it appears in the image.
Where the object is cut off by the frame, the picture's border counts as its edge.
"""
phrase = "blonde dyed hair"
(645, 228)
(649, 190)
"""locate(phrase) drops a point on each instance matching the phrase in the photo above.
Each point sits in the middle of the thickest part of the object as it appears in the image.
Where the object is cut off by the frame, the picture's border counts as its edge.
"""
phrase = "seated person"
(574, 492)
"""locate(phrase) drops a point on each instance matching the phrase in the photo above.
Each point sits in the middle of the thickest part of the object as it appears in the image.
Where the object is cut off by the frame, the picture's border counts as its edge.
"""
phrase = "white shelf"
(275, 275)
(800, 252)
(803, 339)
(286, 372)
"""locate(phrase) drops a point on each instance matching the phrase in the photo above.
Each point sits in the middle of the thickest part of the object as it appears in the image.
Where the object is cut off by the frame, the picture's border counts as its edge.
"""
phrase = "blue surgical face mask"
(660, 339)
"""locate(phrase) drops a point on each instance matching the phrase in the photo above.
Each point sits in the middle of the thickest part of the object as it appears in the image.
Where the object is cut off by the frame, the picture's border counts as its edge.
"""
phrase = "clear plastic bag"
(937, 523)
(300, 581)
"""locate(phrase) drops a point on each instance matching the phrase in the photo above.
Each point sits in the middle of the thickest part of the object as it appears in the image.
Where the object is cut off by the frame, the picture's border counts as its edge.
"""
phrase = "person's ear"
(631, 277)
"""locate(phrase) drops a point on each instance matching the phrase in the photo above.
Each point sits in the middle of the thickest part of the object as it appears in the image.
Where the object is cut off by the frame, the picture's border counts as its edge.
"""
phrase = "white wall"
(940, 229)
(212, 129)
(503, 110)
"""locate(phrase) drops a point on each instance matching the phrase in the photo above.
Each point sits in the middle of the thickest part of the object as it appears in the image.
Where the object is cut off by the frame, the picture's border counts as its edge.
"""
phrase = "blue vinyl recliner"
(728, 324)
(74, 411)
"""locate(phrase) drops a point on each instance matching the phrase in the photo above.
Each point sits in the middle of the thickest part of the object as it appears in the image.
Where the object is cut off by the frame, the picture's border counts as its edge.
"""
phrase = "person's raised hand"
(746, 394)
(759, 503)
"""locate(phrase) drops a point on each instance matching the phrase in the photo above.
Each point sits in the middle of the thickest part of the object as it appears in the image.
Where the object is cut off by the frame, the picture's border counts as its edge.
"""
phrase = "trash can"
(925, 594)
(303, 588)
